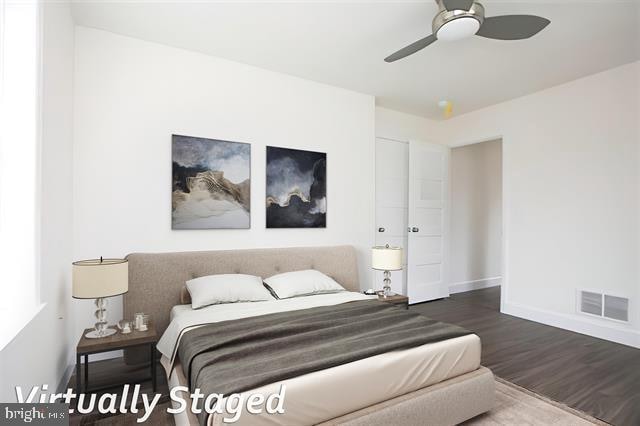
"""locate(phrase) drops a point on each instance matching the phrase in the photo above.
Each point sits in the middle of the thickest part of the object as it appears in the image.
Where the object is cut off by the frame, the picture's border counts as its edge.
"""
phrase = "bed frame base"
(447, 403)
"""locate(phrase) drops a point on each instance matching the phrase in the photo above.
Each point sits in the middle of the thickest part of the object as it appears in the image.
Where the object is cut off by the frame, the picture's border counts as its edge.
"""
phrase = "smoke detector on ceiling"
(446, 107)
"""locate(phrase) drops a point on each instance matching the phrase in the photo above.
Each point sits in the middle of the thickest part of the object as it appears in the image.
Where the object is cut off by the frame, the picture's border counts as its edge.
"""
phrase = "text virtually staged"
(132, 400)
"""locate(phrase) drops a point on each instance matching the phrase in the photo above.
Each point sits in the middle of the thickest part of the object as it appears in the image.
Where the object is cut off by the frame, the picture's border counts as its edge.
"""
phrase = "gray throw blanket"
(239, 355)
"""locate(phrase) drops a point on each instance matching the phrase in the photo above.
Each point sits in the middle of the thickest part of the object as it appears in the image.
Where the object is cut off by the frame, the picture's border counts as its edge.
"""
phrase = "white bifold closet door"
(392, 197)
(428, 222)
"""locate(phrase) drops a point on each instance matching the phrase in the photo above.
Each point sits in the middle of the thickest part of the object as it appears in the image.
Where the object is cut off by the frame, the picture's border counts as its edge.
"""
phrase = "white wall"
(571, 186)
(400, 126)
(43, 349)
(476, 216)
(131, 95)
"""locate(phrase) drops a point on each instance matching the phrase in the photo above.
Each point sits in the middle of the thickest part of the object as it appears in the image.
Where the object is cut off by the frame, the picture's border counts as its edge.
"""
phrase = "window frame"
(15, 320)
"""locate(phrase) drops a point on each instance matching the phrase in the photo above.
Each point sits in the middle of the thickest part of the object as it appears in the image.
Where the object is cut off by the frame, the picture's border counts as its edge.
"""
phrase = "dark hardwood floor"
(595, 376)
(109, 376)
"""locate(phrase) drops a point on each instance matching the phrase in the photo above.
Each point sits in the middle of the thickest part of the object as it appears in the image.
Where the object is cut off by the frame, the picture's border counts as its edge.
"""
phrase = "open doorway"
(476, 223)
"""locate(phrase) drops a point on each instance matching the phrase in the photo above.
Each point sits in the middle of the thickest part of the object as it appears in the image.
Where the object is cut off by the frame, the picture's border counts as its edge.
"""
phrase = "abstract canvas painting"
(296, 188)
(211, 185)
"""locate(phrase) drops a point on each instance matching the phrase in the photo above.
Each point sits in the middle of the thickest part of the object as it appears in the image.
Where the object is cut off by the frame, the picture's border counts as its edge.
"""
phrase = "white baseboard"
(62, 386)
(463, 286)
(624, 335)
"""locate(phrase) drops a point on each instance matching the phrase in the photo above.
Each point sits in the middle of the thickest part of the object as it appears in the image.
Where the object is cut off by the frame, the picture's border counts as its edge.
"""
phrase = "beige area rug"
(515, 406)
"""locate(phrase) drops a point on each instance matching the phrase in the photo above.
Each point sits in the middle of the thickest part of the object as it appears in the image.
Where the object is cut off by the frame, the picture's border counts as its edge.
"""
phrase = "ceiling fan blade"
(457, 4)
(411, 49)
(512, 27)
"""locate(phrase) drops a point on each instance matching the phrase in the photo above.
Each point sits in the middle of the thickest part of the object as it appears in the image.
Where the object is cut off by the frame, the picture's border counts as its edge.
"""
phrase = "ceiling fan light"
(458, 29)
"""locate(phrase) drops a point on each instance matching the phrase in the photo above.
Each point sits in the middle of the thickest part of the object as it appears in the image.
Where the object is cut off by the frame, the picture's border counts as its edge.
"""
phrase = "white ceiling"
(343, 44)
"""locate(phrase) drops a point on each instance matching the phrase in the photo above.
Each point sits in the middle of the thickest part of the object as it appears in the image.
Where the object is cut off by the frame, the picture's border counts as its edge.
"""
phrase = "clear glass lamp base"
(101, 329)
(386, 290)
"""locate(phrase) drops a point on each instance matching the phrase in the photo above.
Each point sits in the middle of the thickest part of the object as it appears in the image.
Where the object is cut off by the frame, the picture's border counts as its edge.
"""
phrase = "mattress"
(323, 395)
(183, 318)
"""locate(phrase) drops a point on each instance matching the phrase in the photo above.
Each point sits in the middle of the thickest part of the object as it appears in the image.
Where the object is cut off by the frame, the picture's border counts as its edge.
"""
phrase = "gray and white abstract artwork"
(296, 188)
(211, 185)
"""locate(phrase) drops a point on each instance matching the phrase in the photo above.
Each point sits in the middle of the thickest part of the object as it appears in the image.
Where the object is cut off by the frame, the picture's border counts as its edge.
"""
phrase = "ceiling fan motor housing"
(457, 24)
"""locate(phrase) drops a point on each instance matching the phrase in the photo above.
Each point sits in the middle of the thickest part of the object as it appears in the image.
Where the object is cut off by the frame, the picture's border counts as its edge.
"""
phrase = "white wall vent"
(616, 308)
(591, 303)
(604, 305)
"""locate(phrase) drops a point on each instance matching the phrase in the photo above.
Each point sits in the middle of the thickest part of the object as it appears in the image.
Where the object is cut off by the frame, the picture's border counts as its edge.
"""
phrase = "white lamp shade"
(100, 278)
(385, 258)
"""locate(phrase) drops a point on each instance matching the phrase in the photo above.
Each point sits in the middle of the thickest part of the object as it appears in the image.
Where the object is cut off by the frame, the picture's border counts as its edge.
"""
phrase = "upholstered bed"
(437, 383)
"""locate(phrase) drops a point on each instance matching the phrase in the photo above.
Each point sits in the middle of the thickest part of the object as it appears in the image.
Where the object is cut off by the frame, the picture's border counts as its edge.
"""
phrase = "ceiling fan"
(458, 19)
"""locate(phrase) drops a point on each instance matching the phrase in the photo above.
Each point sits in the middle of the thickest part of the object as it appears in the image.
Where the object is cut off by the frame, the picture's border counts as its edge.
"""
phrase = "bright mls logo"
(34, 414)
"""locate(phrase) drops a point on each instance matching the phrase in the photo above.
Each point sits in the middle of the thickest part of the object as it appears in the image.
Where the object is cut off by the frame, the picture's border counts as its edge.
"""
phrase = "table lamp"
(98, 279)
(386, 258)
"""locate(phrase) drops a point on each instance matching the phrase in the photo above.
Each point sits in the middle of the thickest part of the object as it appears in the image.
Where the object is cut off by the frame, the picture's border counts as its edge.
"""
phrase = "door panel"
(392, 188)
(428, 211)
(392, 220)
(429, 250)
(428, 274)
(430, 193)
(432, 163)
(428, 221)
(392, 159)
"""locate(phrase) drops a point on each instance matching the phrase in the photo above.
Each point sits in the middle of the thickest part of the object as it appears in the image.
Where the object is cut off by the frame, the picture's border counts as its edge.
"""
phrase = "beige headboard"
(156, 279)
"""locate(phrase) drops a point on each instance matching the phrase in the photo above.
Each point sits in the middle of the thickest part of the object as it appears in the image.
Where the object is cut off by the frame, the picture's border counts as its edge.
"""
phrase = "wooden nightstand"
(396, 299)
(115, 342)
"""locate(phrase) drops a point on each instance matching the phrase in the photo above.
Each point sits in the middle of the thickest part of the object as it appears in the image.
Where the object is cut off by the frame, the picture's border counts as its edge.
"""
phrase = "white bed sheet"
(333, 392)
(183, 318)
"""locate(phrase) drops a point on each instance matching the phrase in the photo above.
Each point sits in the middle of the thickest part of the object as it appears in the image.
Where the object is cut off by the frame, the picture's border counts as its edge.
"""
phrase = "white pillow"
(302, 283)
(226, 288)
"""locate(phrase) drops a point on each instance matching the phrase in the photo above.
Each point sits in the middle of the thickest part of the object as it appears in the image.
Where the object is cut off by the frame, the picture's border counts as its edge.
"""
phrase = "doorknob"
(415, 230)
(381, 229)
